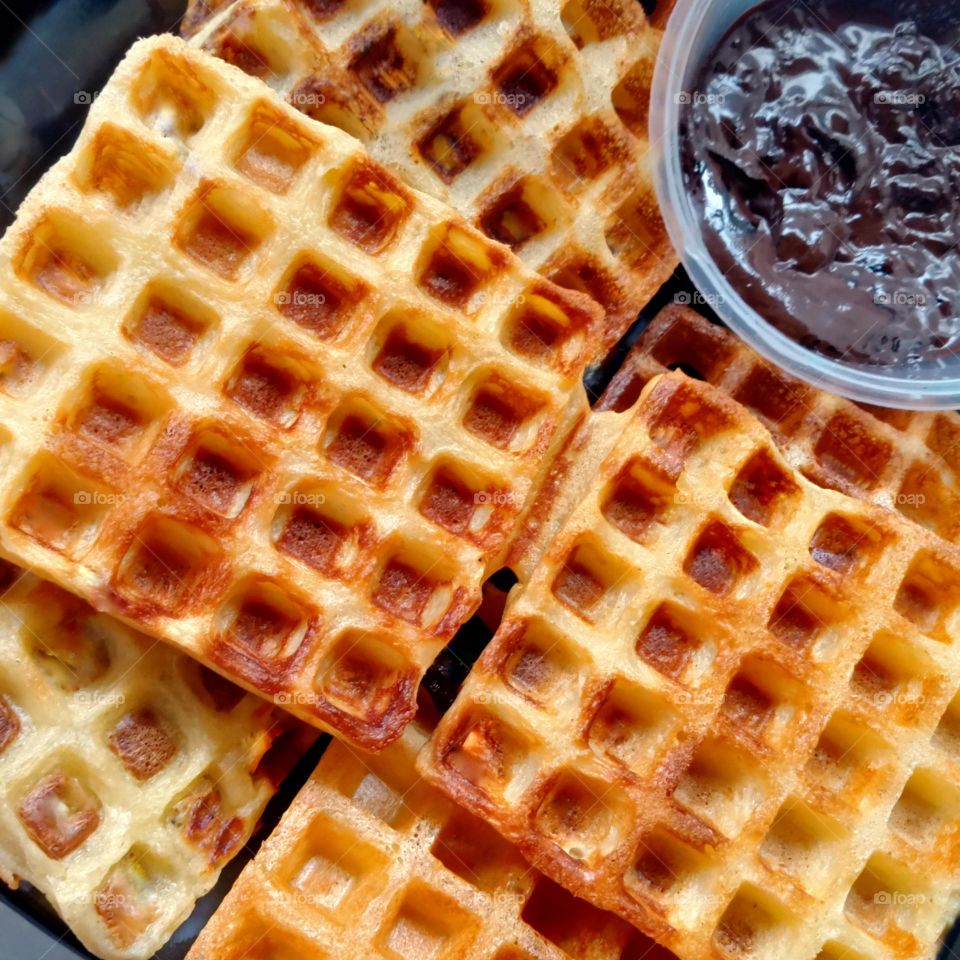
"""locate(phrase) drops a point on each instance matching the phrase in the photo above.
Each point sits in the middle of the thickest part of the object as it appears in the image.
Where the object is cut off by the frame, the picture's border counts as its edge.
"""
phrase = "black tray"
(54, 56)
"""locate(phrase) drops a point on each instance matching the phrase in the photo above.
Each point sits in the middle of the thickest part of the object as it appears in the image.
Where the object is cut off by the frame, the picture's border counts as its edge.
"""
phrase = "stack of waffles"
(723, 704)
(901, 459)
(528, 117)
(284, 412)
(369, 861)
(292, 353)
(696, 716)
(130, 772)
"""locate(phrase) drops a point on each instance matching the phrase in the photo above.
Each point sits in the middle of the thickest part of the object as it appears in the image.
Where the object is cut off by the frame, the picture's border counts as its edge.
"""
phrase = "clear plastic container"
(694, 28)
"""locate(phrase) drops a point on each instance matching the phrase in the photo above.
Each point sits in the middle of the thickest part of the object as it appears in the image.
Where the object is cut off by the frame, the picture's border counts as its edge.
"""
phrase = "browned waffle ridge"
(130, 773)
(261, 399)
(902, 459)
(369, 861)
(725, 705)
(528, 117)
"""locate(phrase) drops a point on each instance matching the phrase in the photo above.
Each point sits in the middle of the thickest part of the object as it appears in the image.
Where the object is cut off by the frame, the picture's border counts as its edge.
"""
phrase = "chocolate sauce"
(822, 144)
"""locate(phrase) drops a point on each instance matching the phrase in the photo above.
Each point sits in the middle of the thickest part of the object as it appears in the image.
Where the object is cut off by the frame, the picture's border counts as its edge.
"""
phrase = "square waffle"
(130, 773)
(371, 862)
(530, 119)
(261, 399)
(902, 459)
(725, 705)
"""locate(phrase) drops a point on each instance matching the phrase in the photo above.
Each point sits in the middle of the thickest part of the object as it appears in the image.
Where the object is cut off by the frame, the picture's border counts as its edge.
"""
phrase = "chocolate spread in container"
(822, 145)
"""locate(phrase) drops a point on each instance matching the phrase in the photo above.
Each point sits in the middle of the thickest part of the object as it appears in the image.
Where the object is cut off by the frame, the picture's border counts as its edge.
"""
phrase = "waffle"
(260, 399)
(371, 862)
(902, 459)
(725, 705)
(530, 119)
(130, 774)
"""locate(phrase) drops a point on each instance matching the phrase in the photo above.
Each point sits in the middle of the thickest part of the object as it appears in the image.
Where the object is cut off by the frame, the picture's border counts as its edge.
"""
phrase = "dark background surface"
(54, 56)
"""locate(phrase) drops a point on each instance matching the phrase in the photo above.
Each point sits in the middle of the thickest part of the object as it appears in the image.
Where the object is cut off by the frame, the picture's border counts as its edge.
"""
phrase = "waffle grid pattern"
(725, 705)
(131, 774)
(528, 116)
(906, 460)
(371, 862)
(264, 401)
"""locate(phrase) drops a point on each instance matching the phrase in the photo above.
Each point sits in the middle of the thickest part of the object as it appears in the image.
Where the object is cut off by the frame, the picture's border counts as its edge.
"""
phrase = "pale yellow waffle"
(903, 459)
(370, 862)
(725, 706)
(130, 773)
(529, 117)
(262, 400)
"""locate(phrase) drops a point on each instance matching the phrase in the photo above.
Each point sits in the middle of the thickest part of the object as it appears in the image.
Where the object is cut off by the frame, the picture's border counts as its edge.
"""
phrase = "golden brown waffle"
(370, 862)
(262, 400)
(725, 706)
(130, 774)
(530, 118)
(902, 459)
